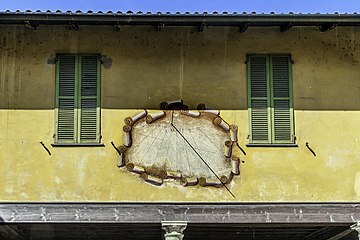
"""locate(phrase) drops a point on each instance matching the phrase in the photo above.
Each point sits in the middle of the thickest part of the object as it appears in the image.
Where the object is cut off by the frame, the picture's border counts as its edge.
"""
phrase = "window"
(270, 99)
(77, 99)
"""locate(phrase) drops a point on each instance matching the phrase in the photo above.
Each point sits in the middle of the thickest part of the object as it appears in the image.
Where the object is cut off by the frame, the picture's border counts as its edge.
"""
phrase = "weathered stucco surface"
(144, 67)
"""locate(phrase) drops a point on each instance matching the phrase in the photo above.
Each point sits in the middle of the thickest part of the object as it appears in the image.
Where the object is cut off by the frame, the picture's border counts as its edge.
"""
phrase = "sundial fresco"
(193, 147)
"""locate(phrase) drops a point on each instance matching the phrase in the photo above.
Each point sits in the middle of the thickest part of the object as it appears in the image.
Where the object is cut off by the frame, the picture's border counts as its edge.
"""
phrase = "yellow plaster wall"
(148, 67)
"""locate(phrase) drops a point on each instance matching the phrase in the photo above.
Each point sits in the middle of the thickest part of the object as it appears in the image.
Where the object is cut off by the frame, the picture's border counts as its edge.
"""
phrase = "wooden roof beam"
(243, 27)
(327, 27)
(285, 27)
(203, 27)
(10, 232)
(160, 27)
(341, 234)
(31, 25)
(117, 27)
(74, 26)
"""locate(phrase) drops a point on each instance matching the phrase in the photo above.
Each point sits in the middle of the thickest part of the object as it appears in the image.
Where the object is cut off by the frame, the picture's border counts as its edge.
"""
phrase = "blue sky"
(279, 6)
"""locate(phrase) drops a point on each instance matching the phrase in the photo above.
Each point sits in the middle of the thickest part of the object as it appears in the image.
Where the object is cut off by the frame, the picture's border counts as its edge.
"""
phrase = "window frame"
(270, 102)
(77, 103)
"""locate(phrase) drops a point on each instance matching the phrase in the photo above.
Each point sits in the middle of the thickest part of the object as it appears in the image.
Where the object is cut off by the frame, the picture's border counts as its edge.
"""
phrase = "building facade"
(289, 83)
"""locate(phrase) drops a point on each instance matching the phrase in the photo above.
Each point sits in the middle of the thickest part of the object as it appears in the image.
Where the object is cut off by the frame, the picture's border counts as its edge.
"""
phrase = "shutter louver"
(258, 77)
(280, 77)
(259, 120)
(88, 130)
(282, 127)
(259, 99)
(89, 76)
(66, 98)
(66, 120)
(89, 99)
(281, 99)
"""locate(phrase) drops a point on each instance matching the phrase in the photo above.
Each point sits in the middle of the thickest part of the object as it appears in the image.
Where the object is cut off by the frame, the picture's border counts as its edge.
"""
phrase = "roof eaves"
(187, 18)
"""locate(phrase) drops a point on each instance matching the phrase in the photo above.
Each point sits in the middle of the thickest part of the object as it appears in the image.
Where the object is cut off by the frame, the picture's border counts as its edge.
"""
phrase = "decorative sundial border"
(158, 179)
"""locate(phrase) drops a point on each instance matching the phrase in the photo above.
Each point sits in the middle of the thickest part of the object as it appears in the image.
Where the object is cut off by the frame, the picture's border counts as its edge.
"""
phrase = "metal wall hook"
(310, 149)
(48, 151)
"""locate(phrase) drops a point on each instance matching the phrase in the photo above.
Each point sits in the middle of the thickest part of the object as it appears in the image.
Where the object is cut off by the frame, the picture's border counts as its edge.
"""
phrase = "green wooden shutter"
(259, 99)
(89, 110)
(66, 99)
(281, 100)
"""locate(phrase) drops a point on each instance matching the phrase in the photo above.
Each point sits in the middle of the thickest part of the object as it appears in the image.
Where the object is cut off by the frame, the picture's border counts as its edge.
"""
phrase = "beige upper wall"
(149, 66)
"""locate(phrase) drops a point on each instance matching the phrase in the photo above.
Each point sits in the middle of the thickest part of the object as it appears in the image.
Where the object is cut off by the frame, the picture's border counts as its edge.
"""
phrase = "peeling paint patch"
(334, 163)
(357, 184)
(58, 180)
(9, 189)
(51, 60)
(106, 62)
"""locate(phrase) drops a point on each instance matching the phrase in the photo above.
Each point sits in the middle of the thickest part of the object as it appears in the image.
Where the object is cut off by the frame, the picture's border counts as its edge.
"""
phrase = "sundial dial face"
(191, 146)
(159, 144)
